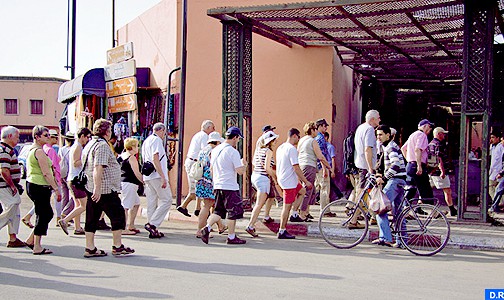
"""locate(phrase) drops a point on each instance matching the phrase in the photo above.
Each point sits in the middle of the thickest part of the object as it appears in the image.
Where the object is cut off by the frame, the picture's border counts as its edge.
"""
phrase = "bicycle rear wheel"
(425, 234)
(334, 223)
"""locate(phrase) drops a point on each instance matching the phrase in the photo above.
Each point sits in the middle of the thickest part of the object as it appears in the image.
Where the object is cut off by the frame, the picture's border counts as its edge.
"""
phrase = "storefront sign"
(120, 70)
(122, 103)
(120, 53)
(121, 87)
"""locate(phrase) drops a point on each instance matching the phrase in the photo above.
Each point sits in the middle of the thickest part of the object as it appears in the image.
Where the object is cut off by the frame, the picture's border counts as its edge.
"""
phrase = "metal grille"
(247, 70)
(478, 49)
(232, 120)
(232, 67)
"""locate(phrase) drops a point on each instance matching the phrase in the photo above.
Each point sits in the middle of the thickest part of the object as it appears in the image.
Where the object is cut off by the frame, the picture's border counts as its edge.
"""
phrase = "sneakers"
(235, 241)
(63, 225)
(309, 216)
(251, 231)
(102, 225)
(356, 226)
(296, 219)
(285, 236)
(121, 250)
(183, 211)
(268, 220)
(397, 245)
(453, 211)
(205, 235)
(17, 243)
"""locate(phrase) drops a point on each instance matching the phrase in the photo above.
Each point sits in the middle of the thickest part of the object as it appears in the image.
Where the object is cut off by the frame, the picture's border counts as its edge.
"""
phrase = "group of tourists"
(86, 176)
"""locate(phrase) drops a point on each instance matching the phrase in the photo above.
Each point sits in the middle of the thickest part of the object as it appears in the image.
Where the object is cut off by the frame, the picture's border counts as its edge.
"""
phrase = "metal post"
(113, 24)
(168, 94)
(182, 102)
(74, 24)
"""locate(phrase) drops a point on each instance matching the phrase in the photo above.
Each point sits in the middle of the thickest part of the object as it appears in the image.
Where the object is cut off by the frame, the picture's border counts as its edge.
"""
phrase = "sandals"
(43, 252)
(134, 229)
(79, 231)
(221, 231)
(94, 253)
(63, 225)
(156, 235)
(27, 223)
(381, 242)
(121, 250)
(128, 232)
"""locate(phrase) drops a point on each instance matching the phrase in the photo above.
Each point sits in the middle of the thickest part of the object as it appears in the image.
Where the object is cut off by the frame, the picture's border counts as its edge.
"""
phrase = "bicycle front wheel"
(335, 224)
(427, 229)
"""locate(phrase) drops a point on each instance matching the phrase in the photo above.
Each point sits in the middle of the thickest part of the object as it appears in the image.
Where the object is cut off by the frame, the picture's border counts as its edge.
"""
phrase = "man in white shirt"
(288, 175)
(496, 154)
(198, 142)
(226, 165)
(157, 187)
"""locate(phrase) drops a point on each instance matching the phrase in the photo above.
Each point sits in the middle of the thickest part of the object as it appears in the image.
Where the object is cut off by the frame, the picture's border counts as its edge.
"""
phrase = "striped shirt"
(394, 161)
(260, 161)
(8, 160)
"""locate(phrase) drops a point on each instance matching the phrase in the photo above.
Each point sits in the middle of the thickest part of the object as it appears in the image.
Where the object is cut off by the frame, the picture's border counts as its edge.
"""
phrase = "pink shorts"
(289, 195)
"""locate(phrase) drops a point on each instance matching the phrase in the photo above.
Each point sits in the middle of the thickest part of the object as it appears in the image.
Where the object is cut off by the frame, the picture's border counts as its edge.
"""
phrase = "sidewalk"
(463, 235)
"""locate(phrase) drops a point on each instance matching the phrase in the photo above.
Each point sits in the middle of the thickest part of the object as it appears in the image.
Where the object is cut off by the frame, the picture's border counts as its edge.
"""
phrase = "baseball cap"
(425, 122)
(321, 122)
(234, 130)
(269, 136)
(268, 128)
(215, 137)
(53, 133)
(438, 130)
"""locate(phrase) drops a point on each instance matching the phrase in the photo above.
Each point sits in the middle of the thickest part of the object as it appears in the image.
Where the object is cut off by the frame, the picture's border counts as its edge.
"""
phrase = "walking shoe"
(268, 220)
(183, 211)
(285, 236)
(373, 222)
(121, 250)
(381, 242)
(279, 203)
(102, 225)
(17, 243)
(196, 212)
(235, 241)
(296, 219)
(397, 245)
(420, 211)
(453, 211)
(205, 235)
(57, 221)
(309, 216)
(94, 253)
(330, 214)
(356, 226)
(63, 225)
(251, 231)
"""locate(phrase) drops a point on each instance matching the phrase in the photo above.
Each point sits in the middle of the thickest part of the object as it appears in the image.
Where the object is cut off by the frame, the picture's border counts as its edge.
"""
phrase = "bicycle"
(425, 233)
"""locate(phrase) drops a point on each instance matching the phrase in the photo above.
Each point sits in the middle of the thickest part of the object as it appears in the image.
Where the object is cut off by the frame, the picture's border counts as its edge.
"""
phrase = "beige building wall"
(25, 89)
(290, 85)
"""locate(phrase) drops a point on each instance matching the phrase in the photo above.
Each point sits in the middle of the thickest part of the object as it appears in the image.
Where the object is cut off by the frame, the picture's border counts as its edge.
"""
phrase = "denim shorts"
(261, 183)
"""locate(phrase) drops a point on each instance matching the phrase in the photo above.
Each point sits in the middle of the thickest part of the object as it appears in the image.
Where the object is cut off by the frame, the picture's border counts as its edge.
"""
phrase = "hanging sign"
(120, 53)
(119, 87)
(120, 70)
(122, 103)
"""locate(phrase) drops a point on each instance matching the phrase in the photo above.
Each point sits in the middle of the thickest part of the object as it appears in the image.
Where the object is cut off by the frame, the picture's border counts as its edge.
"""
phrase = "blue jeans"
(499, 191)
(394, 192)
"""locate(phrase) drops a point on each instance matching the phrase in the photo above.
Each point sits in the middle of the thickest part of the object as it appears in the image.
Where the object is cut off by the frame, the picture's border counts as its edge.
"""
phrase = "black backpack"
(348, 152)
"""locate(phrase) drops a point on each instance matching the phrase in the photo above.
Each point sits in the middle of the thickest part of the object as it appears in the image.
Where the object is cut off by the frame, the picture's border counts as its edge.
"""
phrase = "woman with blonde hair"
(131, 179)
(40, 182)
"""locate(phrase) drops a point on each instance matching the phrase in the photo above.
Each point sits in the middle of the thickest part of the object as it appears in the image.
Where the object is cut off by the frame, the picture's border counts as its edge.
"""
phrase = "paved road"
(182, 267)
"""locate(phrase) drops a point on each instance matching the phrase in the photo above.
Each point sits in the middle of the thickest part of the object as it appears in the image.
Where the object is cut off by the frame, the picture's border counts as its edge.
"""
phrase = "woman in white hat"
(204, 186)
(263, 171)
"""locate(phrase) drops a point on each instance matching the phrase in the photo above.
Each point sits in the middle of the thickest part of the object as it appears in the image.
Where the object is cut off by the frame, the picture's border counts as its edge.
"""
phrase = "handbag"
(378, 201)
(81, 179)
(148, 167)
(196, 171)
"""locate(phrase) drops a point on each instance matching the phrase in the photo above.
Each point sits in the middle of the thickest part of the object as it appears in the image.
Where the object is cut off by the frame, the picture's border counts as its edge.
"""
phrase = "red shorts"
(289, 195)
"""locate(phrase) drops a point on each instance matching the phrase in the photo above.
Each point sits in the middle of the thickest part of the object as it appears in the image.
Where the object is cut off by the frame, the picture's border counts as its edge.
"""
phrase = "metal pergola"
(442, 44)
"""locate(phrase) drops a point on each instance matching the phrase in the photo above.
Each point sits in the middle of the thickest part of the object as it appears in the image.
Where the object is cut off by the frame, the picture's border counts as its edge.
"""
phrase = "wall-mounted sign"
(119, 87)
(120, 53)
(122, 103)
(120, 70)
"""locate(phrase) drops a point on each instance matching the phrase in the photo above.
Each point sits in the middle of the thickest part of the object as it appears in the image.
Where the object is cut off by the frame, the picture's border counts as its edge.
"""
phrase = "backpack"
(64, 162)
(433, 156)
(348, 154)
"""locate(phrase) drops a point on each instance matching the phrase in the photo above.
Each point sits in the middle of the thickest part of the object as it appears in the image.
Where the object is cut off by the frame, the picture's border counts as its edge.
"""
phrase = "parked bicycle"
(425, 230)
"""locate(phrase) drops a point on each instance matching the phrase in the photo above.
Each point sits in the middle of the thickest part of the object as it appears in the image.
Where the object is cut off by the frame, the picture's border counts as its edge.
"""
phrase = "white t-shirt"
(496, 153)
(287, 157)
(198, 142)
(152, 145)
(364, 137)
(224, 162)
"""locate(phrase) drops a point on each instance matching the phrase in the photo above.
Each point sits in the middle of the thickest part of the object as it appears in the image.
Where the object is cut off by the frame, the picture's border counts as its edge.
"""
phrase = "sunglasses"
(46, 135)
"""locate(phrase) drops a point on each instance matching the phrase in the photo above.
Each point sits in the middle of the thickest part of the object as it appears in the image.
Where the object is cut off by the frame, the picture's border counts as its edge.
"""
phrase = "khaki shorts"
(440, 183)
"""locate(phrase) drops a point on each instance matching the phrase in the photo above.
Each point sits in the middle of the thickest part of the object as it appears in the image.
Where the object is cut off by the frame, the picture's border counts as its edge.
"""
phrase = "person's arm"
(404, 150)
(442, 168)
(368, 153)
(76, 157)
(269, 169)
(46, 172)
(6, 175)
(134, 166)
(301, 176)
(319, 155)
(159, 169)
(418, 159)
(97, 181)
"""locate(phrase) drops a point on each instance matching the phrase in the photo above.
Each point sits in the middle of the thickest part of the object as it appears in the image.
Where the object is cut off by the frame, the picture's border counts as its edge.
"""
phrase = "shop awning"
(91, 83)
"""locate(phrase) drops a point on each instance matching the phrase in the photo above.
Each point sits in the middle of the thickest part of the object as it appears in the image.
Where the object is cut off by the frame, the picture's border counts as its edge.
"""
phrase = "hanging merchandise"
(121, 129)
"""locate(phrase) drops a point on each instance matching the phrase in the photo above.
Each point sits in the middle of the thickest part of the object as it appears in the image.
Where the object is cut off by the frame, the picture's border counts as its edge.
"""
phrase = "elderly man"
(198, 142)
(103, 187)
(157, 187)
(9, 183)
(438, 176)
(415, 152)
(226, 166)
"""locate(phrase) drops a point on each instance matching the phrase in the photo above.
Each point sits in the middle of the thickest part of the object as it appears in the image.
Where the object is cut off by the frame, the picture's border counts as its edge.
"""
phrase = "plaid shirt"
(323, 147)
(101, 155)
